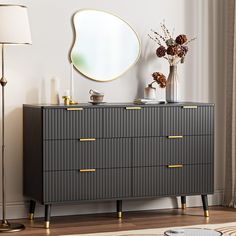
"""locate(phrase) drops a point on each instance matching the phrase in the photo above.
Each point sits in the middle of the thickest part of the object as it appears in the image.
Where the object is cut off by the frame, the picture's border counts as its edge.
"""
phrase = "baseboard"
(17, 210)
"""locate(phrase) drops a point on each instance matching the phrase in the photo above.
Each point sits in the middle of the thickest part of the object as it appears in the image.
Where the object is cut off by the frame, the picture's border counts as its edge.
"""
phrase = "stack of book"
(148, 101)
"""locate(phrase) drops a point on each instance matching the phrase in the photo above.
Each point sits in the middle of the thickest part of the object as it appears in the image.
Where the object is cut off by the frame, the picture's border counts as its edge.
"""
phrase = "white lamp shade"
(14, 25)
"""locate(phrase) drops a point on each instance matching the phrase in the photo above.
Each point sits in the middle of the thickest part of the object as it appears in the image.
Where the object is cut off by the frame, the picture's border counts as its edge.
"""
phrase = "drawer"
(191, 120)
(62, 186)
(154, 151)
(164, 181)
(76, 154)
(131, 121)
(72, 124)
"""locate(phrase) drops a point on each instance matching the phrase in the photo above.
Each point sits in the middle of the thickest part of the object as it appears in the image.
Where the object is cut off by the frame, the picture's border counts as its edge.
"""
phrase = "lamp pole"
(5, 226)
(14, 30)
(3, 83)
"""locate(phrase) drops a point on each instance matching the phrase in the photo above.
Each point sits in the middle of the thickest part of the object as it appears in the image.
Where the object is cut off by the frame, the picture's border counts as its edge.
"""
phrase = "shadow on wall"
(14, 153)
(47, 93)
(146, 59)
(201, 70)
(32, 96)
(191, 65)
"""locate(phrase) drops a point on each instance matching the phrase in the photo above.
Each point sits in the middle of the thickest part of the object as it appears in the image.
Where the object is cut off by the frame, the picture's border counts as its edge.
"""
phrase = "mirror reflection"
(105, 46)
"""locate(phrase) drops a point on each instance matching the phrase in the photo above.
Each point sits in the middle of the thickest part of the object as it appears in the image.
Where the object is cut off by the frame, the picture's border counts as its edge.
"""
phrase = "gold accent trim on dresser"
(176, 166)
(190, 107)
(175, 136)
(133, 108)
(46, 224)
(31, 216)
(75, 109)
(206, 213)
(87, 139)
(119, 214)
(87, 170)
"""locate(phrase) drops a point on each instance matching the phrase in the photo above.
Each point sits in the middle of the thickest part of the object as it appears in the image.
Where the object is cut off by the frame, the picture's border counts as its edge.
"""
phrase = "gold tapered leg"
(119, 214)
(31, 216)
(206, 213)
(46, 224)
(183, 206)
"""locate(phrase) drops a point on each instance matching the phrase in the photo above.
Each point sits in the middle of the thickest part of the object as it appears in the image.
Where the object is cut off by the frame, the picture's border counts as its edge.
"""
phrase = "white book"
(147, 101)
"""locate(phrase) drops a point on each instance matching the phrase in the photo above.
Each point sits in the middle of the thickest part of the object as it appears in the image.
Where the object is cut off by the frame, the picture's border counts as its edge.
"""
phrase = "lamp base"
(6, 227)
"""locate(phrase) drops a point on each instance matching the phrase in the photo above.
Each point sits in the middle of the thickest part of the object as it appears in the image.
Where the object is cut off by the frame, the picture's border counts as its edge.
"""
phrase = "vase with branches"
(174, 50)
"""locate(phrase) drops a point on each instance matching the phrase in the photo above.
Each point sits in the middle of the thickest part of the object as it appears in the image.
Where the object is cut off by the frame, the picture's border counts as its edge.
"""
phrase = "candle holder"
(66, 100)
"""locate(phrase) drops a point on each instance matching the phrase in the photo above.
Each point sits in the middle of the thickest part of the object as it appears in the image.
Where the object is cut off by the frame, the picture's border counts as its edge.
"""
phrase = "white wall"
(28, 67)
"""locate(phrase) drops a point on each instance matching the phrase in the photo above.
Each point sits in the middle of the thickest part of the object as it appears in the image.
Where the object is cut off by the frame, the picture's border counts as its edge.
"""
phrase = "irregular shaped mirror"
(105, 46)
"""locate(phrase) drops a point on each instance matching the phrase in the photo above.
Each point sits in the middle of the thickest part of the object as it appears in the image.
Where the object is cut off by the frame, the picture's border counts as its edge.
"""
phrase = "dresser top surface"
(104, 105)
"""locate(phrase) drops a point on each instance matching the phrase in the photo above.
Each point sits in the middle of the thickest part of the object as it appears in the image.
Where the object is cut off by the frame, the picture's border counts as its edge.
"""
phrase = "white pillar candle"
(67, 92)
(72, 81)
(54, 91)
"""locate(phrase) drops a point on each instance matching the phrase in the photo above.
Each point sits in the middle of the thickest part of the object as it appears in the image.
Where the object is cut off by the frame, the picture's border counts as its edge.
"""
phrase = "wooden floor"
(130, 221)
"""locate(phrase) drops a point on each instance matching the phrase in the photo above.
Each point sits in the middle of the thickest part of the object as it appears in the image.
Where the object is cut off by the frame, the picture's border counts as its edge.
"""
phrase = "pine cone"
(181, 39)
(170, 42)
(156, 75)
(185, 48)
(172, 50)
(161, 51)
(181, 52)
(160, 79)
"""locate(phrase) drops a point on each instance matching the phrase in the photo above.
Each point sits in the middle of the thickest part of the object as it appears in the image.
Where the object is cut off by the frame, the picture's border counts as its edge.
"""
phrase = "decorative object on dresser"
(115, 46)
(72, 89)
(96, 97)
(174, 51)
(150, 91)
(14, 29)
(117, 152)
(67, 98)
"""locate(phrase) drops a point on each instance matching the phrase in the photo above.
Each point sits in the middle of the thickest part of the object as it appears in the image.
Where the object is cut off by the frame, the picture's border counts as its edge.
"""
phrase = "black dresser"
(117, 152)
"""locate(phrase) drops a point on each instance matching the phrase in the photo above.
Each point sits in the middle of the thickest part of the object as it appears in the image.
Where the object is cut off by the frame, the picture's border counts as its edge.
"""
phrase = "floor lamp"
(14, 30)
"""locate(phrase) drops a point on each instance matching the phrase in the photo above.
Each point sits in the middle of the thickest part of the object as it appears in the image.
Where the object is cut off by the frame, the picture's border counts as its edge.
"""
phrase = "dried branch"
(159, 35)
(156, 40)
(167, 32)
(191, 40)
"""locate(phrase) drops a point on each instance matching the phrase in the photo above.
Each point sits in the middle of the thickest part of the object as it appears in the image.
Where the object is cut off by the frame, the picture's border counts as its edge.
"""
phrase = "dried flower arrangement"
(173, 50)
(158, 78)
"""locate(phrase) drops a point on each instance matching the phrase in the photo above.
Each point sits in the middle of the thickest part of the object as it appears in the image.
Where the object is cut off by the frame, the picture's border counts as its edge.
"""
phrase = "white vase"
(172, 85)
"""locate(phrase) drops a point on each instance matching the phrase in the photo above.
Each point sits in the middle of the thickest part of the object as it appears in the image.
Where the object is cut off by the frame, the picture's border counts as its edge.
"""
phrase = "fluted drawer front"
(153, 151)
(76, 154)
(63, 186)
(131, 122)
(164, 181)
(177, 120)
(72, 124)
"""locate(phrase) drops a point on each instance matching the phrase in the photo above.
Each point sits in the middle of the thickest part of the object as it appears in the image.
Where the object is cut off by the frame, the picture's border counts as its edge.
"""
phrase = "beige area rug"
(227, 229)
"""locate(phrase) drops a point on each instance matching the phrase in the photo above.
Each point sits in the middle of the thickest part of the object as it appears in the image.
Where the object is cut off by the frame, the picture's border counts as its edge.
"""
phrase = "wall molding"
(17, 210)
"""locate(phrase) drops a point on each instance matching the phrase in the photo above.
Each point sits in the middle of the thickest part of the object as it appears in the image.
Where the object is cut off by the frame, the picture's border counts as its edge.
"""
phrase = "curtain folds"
(230, 77)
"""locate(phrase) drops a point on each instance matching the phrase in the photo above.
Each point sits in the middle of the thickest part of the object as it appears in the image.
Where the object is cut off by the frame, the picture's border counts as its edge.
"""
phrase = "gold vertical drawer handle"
(87, 139)
(190, 107)
(176, 166)
(75, 109)
(178, 136)
(87, 170)
(133, 108)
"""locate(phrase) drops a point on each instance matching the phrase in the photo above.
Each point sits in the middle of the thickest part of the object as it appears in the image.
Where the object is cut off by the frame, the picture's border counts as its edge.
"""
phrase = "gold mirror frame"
(85, 64)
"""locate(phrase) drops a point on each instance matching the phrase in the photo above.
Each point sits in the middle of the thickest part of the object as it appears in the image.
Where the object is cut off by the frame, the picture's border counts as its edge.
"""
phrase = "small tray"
(97, 103)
